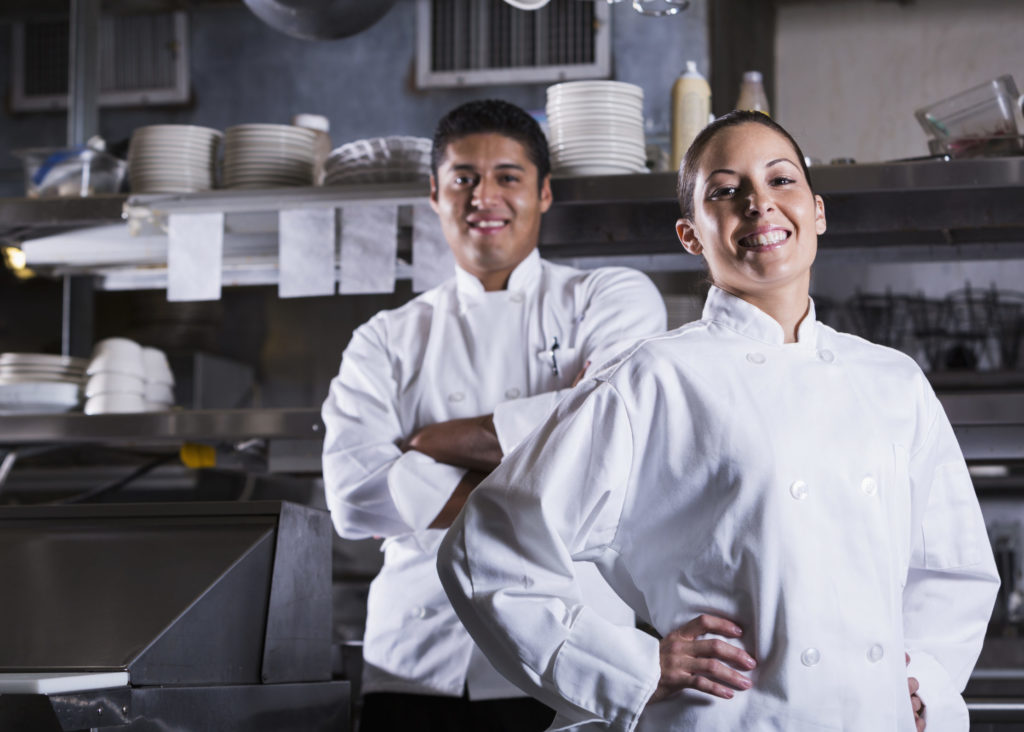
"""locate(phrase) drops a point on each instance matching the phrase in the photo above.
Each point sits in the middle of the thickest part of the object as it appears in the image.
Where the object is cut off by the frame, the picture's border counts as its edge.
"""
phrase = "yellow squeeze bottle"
(691, 107)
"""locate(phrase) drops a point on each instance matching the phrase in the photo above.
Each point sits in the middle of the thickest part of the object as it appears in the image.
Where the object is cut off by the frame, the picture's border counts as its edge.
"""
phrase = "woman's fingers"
(704, 624)
(708, 665)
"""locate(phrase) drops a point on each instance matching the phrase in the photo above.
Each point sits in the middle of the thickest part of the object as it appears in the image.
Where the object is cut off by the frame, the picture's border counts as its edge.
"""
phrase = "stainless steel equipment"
(220, 613)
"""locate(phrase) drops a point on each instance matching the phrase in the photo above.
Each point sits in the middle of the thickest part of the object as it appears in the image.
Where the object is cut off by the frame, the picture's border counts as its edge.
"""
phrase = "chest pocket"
(562, 362)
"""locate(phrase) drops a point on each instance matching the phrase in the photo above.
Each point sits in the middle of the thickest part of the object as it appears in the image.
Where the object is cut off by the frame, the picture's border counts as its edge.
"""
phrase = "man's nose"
(484, 192)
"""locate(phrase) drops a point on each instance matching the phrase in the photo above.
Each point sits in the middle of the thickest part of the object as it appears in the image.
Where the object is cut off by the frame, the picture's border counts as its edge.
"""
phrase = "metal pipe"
(83, 71)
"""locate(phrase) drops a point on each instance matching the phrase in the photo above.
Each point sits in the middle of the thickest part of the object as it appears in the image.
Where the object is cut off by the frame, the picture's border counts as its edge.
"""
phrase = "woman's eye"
(782, 180)
(722, 192)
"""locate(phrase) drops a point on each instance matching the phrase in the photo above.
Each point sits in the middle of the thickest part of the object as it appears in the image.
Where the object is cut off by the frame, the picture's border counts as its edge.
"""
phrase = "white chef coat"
(457, 351)
(813, 492)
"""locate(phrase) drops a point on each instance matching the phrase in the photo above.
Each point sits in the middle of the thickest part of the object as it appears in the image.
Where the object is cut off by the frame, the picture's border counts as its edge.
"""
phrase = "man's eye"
(463, 180)
(509, 179)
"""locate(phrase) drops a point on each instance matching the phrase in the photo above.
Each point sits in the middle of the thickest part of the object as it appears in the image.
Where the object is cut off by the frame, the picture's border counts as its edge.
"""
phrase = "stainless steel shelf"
(988, 425)
(163, 427)
(934, 208)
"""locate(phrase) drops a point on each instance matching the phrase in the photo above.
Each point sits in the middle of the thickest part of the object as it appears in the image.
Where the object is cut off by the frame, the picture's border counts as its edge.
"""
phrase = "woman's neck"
(788, 306)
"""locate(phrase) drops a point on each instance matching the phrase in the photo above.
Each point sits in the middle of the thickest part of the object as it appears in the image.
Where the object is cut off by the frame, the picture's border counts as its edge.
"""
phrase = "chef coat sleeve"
(618, 306)
(952, 580)
(372, 488)
(507, 565)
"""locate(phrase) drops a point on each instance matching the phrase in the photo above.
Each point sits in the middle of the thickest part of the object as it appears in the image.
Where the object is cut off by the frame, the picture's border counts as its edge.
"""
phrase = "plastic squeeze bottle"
(752, 96)
(691, 107)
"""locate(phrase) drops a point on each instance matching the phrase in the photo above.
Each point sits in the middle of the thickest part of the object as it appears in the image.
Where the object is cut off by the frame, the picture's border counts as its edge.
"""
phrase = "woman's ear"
(819, 215)
(688, 236)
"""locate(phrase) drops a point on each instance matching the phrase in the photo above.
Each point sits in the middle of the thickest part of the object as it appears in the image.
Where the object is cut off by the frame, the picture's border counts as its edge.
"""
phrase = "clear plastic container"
(987, 110)
(72, 172)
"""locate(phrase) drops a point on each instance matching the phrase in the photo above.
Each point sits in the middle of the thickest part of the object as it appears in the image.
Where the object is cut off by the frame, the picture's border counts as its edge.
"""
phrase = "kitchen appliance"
(319, 19)
(146, 617)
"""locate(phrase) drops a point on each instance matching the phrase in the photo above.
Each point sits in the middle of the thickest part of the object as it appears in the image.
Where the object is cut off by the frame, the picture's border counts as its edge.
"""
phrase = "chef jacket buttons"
(826, 355)
(869, 485)
(756, 358)
(511, 393)
(875, 653)
(516, 297)
(798, 490)
(810, 657)
(418, 612)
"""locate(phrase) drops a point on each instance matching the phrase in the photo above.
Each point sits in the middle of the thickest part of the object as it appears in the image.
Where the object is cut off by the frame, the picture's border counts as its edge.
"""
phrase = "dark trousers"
(387, 712)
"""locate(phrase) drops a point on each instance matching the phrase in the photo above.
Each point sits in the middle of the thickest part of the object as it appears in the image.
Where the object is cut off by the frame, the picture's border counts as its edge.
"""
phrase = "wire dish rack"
(968, 329)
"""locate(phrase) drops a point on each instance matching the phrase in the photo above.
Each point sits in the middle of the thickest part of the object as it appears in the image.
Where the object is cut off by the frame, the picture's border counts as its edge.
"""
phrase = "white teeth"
(763, 240)
(488, 224)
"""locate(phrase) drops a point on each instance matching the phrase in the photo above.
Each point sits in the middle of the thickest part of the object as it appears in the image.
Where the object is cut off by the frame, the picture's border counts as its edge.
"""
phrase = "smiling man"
(431, 396)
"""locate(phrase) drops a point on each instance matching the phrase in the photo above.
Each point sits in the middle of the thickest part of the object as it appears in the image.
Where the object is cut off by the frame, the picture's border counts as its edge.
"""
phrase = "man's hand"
(470, 443)
(690, 663)
(450, 511)
(915, 701)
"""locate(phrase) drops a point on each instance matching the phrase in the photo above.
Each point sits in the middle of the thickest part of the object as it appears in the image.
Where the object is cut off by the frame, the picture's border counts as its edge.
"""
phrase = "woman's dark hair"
(688, 168)
(492, 115)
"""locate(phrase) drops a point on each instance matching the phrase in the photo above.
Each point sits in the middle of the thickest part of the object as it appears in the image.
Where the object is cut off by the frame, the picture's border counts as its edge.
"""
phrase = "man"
(430, 396)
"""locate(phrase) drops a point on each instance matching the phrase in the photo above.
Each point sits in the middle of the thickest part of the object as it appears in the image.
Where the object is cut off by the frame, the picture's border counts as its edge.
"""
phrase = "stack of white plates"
(396, 159)
(596, 128)
(173, 159)
(269, 156)
(39, 383)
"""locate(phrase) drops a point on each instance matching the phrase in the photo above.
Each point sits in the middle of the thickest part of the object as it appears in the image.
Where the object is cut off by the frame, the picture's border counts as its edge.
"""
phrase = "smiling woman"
(748, 208)
(784, 504)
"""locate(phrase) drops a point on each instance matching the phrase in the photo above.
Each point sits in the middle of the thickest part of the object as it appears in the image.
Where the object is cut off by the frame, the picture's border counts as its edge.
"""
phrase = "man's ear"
(688, 236)
(433, 194)
(546, 198)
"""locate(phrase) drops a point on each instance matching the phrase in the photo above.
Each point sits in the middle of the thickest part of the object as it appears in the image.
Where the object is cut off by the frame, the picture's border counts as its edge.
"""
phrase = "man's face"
(487, 195)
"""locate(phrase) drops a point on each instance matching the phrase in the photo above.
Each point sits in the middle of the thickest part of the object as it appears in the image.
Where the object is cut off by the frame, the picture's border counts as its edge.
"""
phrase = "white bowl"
(114, 404)
(158, 370)
(161, 393)
(117, 354)
(112, 382)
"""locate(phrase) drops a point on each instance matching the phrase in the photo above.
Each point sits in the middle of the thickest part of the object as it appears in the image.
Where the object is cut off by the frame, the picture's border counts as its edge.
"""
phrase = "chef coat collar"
(524, 277)
(749, 320)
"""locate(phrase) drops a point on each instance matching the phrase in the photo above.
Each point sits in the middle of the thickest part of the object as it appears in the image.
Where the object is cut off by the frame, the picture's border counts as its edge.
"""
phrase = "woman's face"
(755, 219)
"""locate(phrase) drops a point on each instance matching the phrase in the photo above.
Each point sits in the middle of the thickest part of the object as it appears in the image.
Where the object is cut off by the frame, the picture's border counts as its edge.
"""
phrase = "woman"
(756, 469)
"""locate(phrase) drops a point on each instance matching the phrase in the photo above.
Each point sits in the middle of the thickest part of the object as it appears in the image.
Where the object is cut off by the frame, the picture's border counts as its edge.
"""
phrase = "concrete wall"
(850, 74)
(244, 71)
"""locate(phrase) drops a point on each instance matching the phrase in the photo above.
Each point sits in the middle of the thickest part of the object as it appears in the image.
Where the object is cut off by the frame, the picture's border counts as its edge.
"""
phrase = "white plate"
(42, 397)
(578, 170)
(584, 87)
(46, 360)
(171, 129)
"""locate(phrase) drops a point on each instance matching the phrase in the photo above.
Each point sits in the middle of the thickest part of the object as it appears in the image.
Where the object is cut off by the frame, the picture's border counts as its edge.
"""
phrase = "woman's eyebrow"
(713, 173)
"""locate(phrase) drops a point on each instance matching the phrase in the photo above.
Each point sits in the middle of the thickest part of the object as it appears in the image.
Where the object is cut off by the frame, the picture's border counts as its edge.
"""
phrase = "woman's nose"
(759, 202)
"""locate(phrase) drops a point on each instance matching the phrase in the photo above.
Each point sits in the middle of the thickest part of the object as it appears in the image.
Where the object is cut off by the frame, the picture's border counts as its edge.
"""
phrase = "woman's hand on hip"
(708, 665)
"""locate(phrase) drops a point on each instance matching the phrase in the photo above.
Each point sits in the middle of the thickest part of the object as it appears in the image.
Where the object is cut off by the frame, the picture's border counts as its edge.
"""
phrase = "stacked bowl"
(40, 383)
(596, 128)
(269, 156)
(173, 159)
(124, 377)
(396, 159)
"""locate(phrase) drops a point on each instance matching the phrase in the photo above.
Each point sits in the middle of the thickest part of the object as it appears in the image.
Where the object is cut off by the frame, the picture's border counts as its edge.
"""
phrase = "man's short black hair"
(492, 115)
